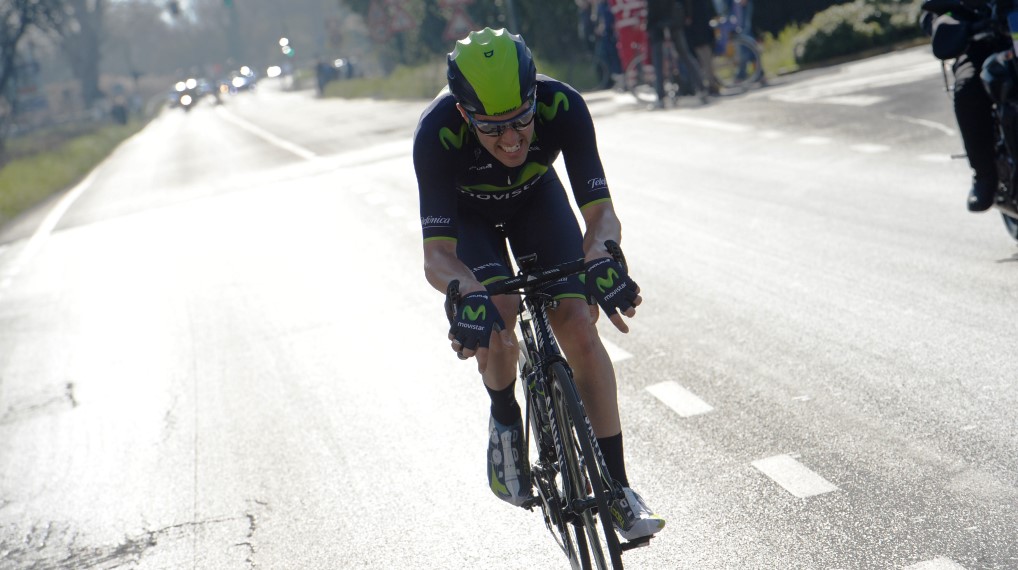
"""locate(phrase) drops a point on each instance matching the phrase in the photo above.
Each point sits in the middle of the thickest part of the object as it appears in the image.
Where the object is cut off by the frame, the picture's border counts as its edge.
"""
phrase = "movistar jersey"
(456, 174)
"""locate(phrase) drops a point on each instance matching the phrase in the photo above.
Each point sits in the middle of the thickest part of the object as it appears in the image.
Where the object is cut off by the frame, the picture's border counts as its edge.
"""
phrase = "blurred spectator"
(605, 48)
(701, 40)
(669, 16)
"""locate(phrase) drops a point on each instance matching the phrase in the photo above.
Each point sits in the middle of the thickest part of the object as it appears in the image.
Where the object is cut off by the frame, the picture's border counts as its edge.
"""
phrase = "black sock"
(611, 449)
(504, 407)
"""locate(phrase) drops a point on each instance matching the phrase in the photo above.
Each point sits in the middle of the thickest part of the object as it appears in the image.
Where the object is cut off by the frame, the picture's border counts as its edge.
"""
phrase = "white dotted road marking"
(679, 399)
(770, 134)
(793, 476)
(813, 141)
(615, 353)
(706, 123)
(870, 148)
(936, 158)
(936, 564)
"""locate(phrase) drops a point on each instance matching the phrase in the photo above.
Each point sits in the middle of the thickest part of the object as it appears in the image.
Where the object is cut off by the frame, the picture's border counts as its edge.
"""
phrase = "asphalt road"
(220, 351)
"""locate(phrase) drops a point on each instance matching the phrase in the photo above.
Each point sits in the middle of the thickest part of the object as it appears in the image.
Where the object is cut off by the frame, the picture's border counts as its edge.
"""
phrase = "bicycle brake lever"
(616, 252)
(452, 300)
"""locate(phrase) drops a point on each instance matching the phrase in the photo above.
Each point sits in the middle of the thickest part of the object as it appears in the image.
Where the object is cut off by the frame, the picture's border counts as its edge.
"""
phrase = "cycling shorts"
(544, 224)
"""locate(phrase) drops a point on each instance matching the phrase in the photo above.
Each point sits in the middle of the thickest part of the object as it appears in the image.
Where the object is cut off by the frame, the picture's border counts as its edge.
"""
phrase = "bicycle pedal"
(530, 503)
(636, 544)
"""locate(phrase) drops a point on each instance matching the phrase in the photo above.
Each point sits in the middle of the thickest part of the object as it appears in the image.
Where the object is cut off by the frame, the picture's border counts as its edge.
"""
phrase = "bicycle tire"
(586, 469)
(543, 475)
(639, 78)
(728, 64)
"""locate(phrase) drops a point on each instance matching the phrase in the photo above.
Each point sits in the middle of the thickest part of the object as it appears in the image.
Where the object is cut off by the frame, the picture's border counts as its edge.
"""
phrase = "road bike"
(573, 487)
(679, 78)
(736, 57)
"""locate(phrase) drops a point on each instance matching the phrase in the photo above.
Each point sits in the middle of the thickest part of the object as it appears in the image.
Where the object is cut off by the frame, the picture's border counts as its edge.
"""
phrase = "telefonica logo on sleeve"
(597, 183)
(435, 221)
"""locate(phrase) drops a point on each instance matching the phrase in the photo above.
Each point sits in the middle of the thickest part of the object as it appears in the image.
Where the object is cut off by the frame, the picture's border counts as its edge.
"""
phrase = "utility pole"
(510, 16)
(233, 31)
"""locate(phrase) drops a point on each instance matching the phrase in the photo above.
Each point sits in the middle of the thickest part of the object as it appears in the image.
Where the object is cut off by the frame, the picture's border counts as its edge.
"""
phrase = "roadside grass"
(778, 52)
(47, 162)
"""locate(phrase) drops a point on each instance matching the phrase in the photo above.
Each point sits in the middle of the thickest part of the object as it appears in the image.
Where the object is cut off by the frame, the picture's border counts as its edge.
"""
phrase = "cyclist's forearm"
(441, 266)
(602, 225)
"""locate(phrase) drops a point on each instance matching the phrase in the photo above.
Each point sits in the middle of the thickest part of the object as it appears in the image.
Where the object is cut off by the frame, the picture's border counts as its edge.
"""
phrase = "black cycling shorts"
(544, 224)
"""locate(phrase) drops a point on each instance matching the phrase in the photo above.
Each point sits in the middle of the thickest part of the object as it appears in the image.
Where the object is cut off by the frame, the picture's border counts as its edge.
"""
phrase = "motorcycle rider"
(973, 108)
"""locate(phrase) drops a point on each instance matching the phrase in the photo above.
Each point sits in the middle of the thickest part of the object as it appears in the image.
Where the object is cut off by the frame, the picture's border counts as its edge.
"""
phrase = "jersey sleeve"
(579, 147)
(435, 155)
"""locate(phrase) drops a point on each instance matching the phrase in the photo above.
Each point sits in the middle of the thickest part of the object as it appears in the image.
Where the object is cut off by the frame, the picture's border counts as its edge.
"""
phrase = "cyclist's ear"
(463, 113)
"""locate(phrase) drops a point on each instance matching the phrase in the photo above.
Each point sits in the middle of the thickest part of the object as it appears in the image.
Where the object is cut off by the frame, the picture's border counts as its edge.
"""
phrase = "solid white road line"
(49, 223)
(926, 123)
(680, 400)
(266, 136)
(793, 476)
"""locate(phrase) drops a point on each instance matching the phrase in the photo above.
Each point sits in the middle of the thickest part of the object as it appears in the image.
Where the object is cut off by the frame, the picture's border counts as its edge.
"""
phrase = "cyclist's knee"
(573, 324)
(507, 306)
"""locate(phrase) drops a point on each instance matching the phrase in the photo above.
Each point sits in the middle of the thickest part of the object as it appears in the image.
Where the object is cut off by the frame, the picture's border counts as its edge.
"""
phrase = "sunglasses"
(517, 123)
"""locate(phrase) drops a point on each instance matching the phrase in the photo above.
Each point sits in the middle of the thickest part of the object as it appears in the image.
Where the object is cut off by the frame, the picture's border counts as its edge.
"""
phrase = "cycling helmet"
(492, 72)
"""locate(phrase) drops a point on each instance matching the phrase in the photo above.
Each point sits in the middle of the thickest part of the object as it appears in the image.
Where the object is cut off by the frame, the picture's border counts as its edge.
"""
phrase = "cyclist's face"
(510, 147)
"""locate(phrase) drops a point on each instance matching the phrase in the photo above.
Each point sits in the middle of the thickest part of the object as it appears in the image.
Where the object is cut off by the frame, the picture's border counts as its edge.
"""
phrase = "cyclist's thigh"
(546, 225)
(481, 247)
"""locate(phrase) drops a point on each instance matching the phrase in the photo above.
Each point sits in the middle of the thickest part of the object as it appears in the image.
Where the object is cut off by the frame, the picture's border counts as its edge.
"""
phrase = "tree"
(17, 19)
(82, 39)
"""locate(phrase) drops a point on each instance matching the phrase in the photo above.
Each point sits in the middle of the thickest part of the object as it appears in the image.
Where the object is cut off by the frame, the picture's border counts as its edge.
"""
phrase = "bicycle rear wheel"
(639, 79)
(737, 66)
(583, 473)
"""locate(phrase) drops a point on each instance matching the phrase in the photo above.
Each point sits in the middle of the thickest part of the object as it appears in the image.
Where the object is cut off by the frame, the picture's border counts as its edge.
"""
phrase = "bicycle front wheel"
(737, 64)
(585, 478)
(639, 79)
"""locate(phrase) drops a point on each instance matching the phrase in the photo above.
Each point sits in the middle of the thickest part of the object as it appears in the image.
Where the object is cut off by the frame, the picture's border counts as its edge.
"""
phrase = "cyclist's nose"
(511, 135)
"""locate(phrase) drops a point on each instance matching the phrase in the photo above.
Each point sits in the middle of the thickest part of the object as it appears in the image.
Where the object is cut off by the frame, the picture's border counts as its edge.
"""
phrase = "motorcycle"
(954, 24)
(186, 94)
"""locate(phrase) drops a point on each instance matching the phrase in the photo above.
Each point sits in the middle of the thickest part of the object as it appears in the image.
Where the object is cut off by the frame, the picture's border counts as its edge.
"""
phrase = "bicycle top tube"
(528, 280)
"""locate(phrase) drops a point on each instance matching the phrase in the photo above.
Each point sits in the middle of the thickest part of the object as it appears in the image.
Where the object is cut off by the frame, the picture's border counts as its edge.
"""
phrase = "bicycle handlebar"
(529, 279)
(532, 279)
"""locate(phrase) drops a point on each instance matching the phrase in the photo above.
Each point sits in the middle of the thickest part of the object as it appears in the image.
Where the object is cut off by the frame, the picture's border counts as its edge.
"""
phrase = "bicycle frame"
(573, 487)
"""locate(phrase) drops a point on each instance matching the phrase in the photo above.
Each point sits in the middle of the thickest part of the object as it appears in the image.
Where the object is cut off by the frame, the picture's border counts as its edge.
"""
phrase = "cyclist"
(483, 154)
(670, 16)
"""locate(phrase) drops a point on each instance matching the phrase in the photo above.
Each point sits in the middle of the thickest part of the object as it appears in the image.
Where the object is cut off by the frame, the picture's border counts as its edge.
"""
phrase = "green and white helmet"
(491, 72)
